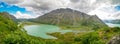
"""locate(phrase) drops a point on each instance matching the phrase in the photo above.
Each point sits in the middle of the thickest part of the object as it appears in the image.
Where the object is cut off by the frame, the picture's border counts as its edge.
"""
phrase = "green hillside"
(10, 33)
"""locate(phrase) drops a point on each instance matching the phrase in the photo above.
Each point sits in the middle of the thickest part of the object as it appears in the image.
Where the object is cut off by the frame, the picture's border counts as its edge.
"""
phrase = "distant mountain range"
(116, 21)
(69, 17)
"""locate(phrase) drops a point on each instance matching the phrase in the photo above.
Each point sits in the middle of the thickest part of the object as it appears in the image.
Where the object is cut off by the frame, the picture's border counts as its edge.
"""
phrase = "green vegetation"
(100, 36)
(29, 23)
(10, 33)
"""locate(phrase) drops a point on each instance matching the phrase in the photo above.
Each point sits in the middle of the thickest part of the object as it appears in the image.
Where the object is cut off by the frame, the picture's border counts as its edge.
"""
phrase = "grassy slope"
(101, 36)
(10, 33)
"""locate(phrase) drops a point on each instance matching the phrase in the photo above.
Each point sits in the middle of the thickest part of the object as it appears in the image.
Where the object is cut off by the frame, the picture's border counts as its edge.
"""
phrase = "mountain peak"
(69, 17)
(64, 9)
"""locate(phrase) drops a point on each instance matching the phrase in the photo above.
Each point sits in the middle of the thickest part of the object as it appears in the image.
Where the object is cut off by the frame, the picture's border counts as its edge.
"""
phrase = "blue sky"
(12, 9)
(117, 7)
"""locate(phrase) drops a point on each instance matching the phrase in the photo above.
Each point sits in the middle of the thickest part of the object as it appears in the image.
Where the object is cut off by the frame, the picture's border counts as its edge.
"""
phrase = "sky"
(104, 9)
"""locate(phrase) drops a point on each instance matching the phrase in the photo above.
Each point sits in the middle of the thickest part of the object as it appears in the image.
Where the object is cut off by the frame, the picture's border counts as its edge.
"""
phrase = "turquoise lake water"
(42, 30)
(113, 25)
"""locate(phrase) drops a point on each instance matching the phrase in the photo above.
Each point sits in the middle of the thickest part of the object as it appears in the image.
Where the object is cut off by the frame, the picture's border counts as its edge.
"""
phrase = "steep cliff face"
(69, 17)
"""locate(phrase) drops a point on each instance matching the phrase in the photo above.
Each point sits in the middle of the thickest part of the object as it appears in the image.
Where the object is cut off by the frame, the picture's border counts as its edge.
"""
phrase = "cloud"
(115, 2)
(39, 7)
(106, 12)
(74, 1)
(19, 15)
(43, 5)
(116, 15)
(47, 5)
(13, 1)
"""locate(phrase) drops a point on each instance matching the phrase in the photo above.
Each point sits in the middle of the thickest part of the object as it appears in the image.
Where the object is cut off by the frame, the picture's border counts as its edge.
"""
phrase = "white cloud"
(41, 5)
(116, 15)
(102, 11)
(13, 1)
(19, 15)
(106, 12)
(100, 7)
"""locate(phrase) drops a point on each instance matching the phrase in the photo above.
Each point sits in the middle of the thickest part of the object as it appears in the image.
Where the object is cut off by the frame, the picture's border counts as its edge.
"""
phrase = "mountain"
(69, 17)
(8, 16)
(116, 21)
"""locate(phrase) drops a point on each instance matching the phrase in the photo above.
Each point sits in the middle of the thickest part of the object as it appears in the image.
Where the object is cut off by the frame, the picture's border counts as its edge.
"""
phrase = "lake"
(42, 30)
(113, 25)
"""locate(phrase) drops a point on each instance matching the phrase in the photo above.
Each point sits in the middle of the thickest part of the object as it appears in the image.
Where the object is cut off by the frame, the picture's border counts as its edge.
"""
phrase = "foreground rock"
(115, 40)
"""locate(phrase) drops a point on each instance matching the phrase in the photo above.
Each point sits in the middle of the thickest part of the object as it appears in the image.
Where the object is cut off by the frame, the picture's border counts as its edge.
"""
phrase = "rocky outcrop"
(115, 40)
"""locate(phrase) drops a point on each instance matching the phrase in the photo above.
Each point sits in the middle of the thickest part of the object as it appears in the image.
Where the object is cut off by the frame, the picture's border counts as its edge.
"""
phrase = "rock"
(115, 40)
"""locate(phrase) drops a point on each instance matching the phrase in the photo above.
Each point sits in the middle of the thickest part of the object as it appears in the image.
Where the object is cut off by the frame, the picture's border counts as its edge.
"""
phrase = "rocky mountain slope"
(69, 17)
